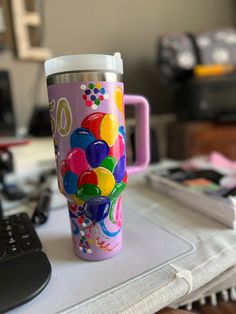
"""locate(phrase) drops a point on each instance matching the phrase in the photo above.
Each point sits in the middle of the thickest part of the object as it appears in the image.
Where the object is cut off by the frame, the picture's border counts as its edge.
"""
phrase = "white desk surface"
(146, 247)
(215, 255)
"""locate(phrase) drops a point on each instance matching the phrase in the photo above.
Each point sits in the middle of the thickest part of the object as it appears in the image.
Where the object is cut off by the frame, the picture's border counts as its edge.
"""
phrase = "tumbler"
(86, 105)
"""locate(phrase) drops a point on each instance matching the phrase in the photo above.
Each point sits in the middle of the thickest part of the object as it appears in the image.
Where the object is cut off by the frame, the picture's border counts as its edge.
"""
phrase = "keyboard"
(24, 269)
(17, 237)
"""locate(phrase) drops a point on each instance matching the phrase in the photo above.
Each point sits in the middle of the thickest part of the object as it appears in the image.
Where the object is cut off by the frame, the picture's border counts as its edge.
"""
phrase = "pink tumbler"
(86, 104)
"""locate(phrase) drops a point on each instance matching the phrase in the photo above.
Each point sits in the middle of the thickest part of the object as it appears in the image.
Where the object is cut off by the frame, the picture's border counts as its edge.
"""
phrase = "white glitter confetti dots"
(94, 107)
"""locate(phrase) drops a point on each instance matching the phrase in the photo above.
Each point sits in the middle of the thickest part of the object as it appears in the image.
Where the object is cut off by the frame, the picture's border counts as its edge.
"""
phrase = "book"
(199, 190)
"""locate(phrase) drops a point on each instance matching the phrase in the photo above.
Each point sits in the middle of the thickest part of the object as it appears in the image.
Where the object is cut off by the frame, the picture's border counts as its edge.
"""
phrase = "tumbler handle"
(142, 141)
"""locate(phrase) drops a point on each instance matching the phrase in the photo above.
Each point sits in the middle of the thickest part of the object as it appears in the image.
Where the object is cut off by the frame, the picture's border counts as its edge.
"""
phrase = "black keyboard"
(17, 237)
(24, 269)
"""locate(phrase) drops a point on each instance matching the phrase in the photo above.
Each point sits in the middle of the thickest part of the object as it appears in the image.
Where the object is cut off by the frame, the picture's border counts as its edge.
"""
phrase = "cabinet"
(187, 139)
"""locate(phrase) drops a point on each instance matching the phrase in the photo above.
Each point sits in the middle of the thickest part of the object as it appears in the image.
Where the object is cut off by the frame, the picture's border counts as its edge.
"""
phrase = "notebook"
(199, 190)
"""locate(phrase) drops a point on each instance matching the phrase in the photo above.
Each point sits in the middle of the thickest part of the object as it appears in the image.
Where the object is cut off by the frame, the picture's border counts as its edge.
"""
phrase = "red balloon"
(93, 122)
(88, 177)
(64, 167)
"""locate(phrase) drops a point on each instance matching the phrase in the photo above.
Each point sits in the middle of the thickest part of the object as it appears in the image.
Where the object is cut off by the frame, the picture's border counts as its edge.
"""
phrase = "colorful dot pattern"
(93, 94)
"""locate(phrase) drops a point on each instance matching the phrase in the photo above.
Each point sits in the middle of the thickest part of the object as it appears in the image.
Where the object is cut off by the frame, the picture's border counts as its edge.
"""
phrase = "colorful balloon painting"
(96, 164)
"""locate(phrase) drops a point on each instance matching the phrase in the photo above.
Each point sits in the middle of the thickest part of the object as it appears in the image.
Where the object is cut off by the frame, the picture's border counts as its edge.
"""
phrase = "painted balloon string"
(107, 232)
(98, 233)
(105, 246)
(111, 216)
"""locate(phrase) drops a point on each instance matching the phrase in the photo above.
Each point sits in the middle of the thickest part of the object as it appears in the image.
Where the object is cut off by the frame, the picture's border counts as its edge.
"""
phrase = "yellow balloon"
(118, 96)
(106, 180)
(109, 129)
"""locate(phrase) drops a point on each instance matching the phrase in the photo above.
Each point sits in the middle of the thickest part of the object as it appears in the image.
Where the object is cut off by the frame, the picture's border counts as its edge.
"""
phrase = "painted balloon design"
(96, 152)
(97, 208)
(76, 159)
(94, 172)
(81, 138)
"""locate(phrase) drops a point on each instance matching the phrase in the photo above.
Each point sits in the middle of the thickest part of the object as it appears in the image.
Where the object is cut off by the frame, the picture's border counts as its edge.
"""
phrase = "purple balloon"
(96, 152)
(119, 170)
(97, 208)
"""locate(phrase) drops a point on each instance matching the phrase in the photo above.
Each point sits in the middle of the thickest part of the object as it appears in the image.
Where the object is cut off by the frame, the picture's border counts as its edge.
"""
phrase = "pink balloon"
(77, 161)
(118, 148)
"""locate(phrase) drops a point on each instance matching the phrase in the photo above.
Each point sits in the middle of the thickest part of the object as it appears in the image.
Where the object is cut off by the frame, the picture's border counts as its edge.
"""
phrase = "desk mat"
(147, 246)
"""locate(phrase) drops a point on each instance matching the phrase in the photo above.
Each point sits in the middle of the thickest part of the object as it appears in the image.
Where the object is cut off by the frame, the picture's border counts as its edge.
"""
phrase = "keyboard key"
(9, 234)
(27, 244)
(8, 228)
(25, 236)
(22, 229)
(13, 249)
(17, 237)
(2, 251)
(6, 222)
(10, 241)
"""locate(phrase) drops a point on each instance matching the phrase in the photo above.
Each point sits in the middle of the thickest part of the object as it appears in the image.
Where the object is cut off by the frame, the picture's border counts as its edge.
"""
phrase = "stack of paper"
(222, 209)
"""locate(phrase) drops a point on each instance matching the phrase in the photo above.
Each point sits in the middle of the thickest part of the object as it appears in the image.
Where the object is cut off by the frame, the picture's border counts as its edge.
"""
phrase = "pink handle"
(142, 143)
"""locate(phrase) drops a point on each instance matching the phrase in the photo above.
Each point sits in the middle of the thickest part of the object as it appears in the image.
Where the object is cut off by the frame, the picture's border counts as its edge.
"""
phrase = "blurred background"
(140, 31)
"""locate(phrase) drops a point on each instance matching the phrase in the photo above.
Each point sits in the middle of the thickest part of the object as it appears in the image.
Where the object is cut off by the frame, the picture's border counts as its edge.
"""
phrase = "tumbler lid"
(84, 62)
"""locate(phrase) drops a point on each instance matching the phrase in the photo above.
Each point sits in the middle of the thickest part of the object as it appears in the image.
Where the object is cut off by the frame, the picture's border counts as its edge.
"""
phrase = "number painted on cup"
(63, 125)
(63, 119)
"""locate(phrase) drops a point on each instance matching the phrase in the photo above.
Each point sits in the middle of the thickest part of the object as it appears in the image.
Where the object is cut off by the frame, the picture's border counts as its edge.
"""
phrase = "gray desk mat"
(146, 246)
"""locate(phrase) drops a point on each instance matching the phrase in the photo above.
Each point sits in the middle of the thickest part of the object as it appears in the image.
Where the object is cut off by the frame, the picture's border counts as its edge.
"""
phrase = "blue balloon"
(122, 131)
(96, 152)
(97, 208)
(81, 138)
(70, 182)
(119, 171)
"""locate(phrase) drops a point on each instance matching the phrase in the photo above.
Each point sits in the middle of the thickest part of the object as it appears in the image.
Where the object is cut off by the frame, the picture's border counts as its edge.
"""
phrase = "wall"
(105, 26)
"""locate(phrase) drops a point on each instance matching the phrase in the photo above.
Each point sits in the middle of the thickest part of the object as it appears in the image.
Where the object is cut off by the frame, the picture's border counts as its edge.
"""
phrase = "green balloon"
(87, 191)
(109, 163)
(118, 189)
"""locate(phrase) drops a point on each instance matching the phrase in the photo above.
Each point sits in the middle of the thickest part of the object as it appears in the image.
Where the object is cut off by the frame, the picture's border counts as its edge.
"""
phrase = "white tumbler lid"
(84, 62)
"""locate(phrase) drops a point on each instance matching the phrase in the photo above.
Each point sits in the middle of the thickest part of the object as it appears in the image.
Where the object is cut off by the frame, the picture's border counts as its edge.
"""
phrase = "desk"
(202, 272)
